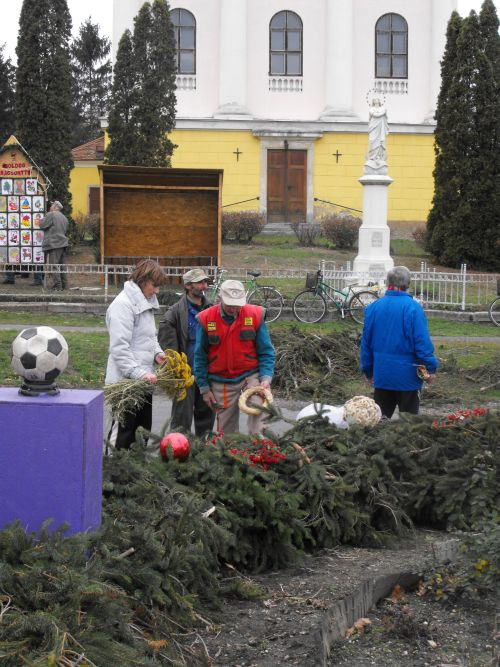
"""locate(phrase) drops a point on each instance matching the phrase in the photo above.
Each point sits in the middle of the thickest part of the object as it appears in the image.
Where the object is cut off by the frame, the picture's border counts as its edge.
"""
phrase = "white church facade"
(275, 93)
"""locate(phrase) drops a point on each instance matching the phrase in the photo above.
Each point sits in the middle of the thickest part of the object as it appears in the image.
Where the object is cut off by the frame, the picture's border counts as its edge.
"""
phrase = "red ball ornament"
(179, 445)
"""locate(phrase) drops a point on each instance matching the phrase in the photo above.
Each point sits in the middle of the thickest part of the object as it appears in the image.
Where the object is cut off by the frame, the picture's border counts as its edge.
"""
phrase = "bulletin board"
(22, 206)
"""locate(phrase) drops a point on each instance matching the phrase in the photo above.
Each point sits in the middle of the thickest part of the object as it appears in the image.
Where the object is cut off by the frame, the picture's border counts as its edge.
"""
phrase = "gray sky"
(100, 12)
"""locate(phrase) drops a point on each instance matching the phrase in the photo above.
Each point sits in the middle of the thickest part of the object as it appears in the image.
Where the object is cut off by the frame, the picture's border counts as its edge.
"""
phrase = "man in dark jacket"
(55, 243)
(177, 331)
(394, 344)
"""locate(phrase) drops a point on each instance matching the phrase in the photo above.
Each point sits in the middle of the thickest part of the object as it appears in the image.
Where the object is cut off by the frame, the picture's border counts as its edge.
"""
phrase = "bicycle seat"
(255, 274)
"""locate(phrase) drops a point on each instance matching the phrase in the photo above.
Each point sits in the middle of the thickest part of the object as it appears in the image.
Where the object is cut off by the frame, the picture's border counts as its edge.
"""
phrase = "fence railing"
(460, 288)
(451, 289)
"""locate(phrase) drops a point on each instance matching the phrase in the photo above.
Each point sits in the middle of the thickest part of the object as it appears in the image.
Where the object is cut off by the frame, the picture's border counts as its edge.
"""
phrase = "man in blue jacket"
(395, 342)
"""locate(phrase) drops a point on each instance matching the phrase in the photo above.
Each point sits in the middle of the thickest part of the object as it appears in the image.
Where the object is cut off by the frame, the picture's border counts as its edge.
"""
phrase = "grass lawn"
(88, 355)
(51, 319)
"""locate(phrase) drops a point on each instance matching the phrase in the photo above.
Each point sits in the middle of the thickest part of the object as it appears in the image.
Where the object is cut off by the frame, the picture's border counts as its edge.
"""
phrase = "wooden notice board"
(172, 215)
(23, 205)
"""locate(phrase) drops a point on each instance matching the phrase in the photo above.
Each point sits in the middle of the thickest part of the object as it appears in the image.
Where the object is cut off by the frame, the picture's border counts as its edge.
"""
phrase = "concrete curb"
(347, 611)
(93, 308)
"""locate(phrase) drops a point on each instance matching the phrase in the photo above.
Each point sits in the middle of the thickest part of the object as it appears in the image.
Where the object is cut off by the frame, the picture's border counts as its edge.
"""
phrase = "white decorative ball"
(39, 354)
(362, 410)
(334, 414)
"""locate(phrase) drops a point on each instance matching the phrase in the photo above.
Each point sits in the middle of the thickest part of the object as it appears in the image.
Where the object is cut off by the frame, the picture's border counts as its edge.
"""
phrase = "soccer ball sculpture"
(39, 355)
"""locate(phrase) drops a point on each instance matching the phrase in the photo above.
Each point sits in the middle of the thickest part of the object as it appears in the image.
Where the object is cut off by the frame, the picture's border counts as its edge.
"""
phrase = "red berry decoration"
(179, 445)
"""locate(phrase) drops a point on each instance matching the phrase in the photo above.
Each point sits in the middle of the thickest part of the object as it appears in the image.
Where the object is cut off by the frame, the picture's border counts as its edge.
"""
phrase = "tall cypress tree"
(43, 91)
(122, 130)
(487, 185)
(464, 220)
(7, 98)
(446, 142)
(143, 100)
(92, 81)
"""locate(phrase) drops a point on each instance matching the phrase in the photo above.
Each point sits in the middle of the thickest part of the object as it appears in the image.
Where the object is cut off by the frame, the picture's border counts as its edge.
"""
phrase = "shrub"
(419, 234)
(306, 232)
(341, 229)
(241, 226)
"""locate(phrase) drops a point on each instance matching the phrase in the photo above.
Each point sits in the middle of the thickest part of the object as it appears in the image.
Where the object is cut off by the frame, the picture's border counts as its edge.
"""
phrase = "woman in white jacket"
(133, 345)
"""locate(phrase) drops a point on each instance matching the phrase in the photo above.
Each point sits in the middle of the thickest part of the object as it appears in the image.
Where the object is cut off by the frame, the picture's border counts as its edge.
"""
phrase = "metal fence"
(458, 289)
(452, 289)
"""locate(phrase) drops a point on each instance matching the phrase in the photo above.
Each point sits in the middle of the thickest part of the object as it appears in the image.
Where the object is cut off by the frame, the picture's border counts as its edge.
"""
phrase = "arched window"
(185, 40)
(285, 44)
(391, 47)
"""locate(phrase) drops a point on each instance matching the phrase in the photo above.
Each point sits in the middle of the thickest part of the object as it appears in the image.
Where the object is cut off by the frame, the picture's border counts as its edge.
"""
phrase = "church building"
(277, 95)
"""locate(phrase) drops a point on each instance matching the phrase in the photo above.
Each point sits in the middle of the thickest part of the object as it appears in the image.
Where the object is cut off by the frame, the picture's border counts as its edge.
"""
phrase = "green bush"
(306, 232)
(341, 229)
(419, 235)
(242, 226)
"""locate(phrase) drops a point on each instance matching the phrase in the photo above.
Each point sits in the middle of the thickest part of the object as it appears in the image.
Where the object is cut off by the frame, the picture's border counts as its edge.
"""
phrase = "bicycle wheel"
(494, 311)
(358, 303)
(309, 306)
(270, 299)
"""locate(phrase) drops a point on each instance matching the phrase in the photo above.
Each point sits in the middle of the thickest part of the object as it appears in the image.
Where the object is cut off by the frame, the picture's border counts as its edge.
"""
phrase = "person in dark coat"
(177, 331)
(395, 342)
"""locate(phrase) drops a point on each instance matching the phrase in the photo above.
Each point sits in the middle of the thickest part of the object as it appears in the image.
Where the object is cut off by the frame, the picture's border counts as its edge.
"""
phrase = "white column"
(232, 59)
(374, 241)
(339, 60)
(440, 15)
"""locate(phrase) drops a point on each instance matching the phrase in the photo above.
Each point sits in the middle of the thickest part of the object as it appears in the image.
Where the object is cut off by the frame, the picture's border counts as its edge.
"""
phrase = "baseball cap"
(232, 293)
(194, 276)
(58, 204)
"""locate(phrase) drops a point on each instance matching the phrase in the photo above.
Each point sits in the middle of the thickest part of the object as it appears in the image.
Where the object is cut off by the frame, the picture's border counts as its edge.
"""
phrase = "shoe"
(36, 284)
(9, 282)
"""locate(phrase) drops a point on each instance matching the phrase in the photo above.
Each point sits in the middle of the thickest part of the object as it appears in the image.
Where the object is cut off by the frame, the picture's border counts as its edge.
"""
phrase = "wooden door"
(94, 200)
(286, 185)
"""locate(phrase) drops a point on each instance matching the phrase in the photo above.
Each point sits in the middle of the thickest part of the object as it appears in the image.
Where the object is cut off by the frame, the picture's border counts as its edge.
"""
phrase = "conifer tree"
(446, 146)
(7, 98)
(464, 221)
(43, 91)
(143, 99)
(92, 81)
(122, 130)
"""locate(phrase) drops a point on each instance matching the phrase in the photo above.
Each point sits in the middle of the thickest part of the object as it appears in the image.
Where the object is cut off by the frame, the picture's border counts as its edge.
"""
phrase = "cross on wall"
(237, 152)
(337, 155)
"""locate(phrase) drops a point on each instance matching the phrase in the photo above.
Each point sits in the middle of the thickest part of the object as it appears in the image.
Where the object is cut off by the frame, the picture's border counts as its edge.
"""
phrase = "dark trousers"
(58, 279)
(10, 277)
(126, 432)
(192, 406)
(387, 399)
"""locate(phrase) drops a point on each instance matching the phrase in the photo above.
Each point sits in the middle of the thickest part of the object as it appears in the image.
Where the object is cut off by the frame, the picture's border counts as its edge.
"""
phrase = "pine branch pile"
(135, 591)
(313, 365)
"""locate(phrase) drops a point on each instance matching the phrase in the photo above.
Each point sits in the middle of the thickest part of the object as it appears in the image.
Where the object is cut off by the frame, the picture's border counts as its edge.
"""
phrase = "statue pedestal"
(374, 241)
(51, 459)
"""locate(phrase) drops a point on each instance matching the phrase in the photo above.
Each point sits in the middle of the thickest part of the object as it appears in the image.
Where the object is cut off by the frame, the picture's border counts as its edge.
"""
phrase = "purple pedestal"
(51, 459)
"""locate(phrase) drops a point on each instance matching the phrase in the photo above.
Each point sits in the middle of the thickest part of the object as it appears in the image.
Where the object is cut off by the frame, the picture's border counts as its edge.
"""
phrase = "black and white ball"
(39, 354)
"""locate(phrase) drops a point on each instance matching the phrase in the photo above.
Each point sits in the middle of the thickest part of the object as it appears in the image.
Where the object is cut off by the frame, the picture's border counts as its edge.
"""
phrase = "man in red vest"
(233, 352)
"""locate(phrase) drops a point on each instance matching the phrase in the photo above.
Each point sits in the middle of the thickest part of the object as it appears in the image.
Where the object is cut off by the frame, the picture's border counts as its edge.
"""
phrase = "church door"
(286, 185)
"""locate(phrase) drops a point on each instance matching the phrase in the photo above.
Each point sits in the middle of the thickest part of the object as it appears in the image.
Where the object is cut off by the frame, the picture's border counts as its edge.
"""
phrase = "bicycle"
(257, 295)
(311, 305)
(494, 308)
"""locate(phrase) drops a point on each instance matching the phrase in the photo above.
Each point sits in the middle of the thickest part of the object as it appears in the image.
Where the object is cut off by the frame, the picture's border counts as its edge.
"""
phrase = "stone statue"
(378, 129)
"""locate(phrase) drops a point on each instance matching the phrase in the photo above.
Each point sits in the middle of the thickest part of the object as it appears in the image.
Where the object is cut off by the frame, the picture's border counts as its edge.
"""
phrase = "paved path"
(162, 408)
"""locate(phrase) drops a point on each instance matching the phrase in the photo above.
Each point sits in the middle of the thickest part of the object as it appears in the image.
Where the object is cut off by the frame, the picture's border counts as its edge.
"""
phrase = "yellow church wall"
(411, 162)
(215, 149)
(82, 176)
(410, 157)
